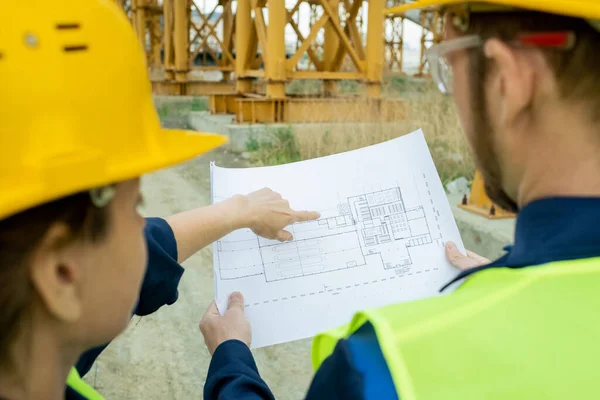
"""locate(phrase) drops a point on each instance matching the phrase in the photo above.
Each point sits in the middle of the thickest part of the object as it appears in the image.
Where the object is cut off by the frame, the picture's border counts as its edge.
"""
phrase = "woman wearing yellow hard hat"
(524, 75)
(77, 129)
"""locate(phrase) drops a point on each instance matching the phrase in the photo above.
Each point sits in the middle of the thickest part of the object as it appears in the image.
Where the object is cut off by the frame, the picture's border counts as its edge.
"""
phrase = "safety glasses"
(440, 69)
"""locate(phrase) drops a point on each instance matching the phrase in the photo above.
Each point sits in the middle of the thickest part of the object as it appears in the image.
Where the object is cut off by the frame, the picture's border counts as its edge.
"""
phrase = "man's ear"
(513, 80)
(56, 274)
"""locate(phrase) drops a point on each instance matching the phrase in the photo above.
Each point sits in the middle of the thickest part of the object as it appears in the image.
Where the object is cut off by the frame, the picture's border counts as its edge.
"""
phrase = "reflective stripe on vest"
(530, 333)
(75, 382)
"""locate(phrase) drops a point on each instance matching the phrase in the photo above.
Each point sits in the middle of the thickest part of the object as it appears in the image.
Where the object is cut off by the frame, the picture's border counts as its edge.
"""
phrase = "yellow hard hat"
(76, 108)
(586, 9)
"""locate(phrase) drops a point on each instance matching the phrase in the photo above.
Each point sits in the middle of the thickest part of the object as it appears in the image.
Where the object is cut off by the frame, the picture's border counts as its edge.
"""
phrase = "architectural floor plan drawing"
(374, 225)
(380, 239)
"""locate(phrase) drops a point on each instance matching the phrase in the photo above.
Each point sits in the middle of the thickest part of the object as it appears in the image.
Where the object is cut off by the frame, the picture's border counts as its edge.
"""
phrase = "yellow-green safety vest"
(80, 386)
(531, 333)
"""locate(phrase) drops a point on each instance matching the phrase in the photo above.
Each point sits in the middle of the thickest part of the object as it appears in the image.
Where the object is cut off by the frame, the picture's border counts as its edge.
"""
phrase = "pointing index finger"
(302, 216)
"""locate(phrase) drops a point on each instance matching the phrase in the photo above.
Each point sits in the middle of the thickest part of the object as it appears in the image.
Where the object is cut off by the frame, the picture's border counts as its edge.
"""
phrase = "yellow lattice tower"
(394, 39)
(432, 24)
(317, 45)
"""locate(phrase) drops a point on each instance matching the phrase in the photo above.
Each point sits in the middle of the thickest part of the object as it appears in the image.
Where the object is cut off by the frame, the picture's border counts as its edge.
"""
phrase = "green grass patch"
(180, 108)
(278, 147)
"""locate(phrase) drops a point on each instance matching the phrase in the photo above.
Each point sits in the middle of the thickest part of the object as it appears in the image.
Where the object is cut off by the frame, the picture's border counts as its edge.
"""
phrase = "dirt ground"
(163, 356)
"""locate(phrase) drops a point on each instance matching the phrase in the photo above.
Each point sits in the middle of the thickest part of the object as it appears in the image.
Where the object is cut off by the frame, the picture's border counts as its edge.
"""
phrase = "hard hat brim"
(172, 147)
(585, 9)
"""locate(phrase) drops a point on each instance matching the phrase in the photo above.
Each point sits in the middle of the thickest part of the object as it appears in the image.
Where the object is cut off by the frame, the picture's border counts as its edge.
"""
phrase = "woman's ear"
(56, 273)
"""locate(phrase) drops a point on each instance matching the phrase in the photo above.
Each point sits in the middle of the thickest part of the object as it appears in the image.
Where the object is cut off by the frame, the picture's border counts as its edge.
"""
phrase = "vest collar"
(549, 230)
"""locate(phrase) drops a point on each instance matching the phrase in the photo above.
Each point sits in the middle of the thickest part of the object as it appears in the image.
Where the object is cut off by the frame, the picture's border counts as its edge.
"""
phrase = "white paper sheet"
(380, 239)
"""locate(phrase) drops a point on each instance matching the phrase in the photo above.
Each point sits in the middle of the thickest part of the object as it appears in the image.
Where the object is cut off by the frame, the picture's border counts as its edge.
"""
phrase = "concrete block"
(481, 235)
(203, 121)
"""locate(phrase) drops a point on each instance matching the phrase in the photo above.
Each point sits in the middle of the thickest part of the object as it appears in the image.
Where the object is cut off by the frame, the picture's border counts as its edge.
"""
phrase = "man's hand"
(460, 261)
(233, 325)
(267, 214)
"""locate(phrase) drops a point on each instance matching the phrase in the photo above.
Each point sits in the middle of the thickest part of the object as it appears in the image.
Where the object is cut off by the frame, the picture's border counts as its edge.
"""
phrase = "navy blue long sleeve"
(233, 375)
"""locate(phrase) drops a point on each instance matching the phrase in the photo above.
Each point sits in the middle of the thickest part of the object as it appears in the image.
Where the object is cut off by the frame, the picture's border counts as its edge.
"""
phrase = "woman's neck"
(38, 367)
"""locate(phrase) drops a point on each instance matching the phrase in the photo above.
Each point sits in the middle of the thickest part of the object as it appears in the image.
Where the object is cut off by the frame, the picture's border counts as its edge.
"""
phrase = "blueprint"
(380, 240)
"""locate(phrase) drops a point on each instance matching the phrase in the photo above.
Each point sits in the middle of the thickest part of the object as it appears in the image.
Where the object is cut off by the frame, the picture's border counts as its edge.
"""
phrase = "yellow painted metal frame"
(480, 203)
(342, 56)
(432, 23)
(191, 88)
(298, 109)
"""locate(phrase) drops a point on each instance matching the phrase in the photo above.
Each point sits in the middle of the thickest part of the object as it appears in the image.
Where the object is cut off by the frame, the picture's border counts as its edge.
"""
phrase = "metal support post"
(330, 46)
(132, 10)
(168, 40)
(275, 68)
(244, 26)
(155, 42)
(227, 35)
(182, 37)
(375, 48)
(140, 22)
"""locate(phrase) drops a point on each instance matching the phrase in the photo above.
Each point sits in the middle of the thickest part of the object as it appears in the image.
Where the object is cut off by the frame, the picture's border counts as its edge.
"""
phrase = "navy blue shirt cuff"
(233, 374)
(164, 272)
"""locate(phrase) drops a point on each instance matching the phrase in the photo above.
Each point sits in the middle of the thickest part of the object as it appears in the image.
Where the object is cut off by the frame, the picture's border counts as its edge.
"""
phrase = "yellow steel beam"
(295, 8)
(312, 110)
(311, 54)
(352, 30)
(255, 73)
(169, 56)
(228, 29)
(256, 59)
(182, 35)
(223, 104)
(325, 75)
(202, 45)
(140, 22)
(261, 29)
(243, 45)
(293, 61)
(330, 45)
(342, 36)
(191, 88)
(394, 46)
(155, 34)
(480, 203)
(375, 49)
(226, 68)
(275, 60)
(355, 34)
(211, 28)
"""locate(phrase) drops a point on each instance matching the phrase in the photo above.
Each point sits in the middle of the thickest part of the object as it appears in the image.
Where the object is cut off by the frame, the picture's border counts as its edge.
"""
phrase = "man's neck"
(562, 164)
(38, 367)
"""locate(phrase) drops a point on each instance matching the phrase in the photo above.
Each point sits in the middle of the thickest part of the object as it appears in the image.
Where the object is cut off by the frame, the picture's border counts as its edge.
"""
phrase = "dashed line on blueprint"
(334, 291)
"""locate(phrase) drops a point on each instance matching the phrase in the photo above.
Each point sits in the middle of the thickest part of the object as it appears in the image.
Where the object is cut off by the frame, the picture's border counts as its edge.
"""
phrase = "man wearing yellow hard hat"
(525, 78)
(77, 129)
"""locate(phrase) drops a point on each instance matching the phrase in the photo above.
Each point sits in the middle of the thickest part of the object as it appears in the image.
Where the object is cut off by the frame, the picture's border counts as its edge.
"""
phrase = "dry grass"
(426, 109)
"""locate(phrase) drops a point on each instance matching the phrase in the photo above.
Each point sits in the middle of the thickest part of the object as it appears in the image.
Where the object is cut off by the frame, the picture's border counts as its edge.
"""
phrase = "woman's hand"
(267, 214)
(233, 325)
(461, 261)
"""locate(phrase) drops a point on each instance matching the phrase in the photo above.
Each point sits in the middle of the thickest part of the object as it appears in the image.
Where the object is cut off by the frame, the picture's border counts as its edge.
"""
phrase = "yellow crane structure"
(338, 47)
(355, 40)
